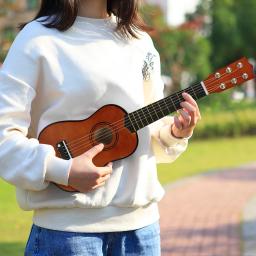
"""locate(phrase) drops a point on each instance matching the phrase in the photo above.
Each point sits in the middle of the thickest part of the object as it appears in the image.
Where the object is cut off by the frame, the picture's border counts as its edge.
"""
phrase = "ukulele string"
(77, 145)
(87, 144)
(75, 141)
(115, 124)
(106, 135)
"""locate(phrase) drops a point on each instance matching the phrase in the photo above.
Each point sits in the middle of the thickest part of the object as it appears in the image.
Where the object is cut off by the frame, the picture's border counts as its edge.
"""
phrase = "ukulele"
(117, 129)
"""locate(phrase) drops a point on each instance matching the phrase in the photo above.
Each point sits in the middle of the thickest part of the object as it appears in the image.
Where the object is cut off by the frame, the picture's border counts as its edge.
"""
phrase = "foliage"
(222, 102)
(231, 34)
(180, 50)
(225, 35)
(232, 28)
(6, 38)
(9, 9)
(183, 51)
(202, 9)
(153, 16)
(233, 122)
(246, 22)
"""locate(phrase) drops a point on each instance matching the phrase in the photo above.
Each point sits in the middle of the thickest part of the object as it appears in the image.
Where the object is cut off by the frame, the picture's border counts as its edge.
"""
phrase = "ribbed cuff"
(58, 170)
(167, 138)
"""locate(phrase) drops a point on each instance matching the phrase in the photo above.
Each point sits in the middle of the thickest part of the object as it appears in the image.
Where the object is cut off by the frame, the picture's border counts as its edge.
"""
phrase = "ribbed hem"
(93, 220)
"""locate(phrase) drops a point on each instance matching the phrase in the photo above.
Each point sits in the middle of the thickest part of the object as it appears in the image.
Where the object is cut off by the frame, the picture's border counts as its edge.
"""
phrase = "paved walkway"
(202, 216)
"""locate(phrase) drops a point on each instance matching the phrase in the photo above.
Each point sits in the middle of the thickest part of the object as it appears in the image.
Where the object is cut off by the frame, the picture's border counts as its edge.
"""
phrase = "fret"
(138, 120)
(165, 109)
(154, 111)
(193, 91)
(167, 106)
(202, 92)
(153, 106)
(134, 122)
(149, 114)
(176, 100)
(189, 91)
(128, 123)
(160, 107)
(170, 98)
(180, 97)
(142, 117)
(197, 90)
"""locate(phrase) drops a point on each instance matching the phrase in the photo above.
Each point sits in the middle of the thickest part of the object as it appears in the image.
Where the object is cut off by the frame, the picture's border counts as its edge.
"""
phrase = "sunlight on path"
(202, 217)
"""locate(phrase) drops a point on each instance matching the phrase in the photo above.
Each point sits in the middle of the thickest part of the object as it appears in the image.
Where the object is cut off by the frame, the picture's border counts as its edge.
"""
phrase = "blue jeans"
(141, 242)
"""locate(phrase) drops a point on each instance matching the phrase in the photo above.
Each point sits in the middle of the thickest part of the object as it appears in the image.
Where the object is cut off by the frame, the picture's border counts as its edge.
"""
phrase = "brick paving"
(202, 216)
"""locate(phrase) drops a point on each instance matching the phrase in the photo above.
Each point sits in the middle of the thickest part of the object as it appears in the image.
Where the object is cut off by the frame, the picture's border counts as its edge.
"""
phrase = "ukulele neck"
(141, 118)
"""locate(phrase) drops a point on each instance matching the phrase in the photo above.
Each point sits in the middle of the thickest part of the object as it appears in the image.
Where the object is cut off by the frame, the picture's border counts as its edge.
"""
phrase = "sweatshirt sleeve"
(166, 147)
(24, 162)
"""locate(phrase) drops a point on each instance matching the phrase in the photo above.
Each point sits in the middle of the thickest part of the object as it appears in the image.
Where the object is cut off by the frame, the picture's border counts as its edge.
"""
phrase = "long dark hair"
(61, 15)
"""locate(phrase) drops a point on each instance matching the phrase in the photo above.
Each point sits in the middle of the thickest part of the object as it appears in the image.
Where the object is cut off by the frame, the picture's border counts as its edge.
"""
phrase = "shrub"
(226, 124)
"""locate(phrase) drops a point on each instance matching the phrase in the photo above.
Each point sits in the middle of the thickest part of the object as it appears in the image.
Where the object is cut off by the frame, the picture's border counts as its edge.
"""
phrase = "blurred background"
(194, 38)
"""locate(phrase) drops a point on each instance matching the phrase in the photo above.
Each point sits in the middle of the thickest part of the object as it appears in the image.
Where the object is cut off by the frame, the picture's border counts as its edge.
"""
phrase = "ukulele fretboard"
(140, 118)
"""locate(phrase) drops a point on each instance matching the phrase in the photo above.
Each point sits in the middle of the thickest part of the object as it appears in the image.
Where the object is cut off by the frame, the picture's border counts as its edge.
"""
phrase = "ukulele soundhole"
(104, 133)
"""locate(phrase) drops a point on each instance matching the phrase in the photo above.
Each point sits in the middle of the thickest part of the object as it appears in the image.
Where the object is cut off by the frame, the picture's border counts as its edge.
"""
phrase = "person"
(73, 58)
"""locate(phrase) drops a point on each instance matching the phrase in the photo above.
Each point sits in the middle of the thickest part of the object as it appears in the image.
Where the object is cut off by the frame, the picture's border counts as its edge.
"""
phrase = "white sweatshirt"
(51, 76)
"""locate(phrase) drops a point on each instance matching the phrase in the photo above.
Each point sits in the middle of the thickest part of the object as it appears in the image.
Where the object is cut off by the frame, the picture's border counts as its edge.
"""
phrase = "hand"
(84, 176)
(185, 123)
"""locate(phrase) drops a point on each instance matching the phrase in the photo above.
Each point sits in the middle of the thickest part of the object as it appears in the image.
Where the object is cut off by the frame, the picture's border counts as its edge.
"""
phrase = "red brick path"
(202, 217)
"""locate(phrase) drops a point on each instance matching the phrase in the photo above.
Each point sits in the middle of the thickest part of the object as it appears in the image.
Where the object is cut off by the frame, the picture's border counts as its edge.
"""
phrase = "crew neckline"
(83, 19)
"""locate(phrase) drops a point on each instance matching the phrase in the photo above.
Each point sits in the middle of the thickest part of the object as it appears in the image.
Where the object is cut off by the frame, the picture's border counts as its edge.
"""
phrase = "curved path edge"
(249, 228)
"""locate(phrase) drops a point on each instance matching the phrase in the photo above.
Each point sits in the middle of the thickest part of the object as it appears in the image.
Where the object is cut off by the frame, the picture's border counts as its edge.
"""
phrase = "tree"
(183, 51)
(246, 22)
(232, 29)
(225, 35)
(232, 32)
(153, 16)
(180, 50)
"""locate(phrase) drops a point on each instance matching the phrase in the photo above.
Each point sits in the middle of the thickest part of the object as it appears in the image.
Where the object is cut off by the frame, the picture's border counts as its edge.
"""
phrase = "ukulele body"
(106, 125)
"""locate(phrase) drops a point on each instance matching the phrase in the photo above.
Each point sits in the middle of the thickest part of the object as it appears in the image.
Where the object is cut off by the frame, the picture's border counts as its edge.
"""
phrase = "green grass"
(14, 223)
(209, 155)
(199, 157)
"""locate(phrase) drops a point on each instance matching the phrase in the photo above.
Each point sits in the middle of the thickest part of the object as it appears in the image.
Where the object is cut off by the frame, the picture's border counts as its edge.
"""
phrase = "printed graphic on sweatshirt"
(148, 66)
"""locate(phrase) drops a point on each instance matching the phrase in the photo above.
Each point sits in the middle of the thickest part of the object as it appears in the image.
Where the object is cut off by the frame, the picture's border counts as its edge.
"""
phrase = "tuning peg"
(229, 70)
(239, 65)
(245, 76)
(234, 81)
(217, 75)
(222, 86)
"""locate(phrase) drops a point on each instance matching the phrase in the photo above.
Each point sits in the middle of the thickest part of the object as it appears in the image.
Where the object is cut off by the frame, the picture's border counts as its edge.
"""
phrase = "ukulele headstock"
(230, 76)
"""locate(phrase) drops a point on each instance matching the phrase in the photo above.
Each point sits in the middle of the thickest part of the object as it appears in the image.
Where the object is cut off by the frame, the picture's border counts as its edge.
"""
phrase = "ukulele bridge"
(63, 150)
